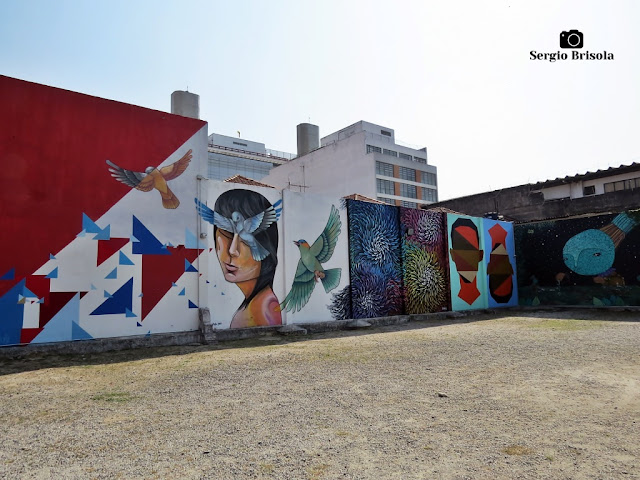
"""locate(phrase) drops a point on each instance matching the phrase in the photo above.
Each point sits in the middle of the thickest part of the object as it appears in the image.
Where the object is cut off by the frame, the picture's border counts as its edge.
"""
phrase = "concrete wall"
(524, 204)
(83, 254)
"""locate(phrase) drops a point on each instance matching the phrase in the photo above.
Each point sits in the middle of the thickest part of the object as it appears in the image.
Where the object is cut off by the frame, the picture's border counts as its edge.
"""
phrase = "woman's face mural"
(246, 244)
(236, 261)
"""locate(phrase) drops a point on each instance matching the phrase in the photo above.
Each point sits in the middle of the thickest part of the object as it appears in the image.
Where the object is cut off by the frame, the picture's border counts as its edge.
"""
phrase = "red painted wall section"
(53, 147)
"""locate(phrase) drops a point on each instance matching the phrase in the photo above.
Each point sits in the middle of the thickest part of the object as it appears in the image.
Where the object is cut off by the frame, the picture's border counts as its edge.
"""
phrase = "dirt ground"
(550, 395)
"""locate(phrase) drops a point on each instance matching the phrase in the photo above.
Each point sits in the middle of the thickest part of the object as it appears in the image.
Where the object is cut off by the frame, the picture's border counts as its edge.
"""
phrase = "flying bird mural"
(245, 228)
(153, 178)
(310, 268)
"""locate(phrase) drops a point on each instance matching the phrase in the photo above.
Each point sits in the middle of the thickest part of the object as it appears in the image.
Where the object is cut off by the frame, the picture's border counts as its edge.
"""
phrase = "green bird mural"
(310, 268)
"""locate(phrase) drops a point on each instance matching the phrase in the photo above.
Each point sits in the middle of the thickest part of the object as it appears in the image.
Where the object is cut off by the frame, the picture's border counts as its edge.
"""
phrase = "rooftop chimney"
(186, 104)
(308, 138)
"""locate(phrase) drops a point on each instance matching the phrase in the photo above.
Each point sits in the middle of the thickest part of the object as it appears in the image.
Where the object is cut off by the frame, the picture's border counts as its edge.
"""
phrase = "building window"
(409, 191)
(389, 152)
(589, 190)
(428, 178)
(385, 186)
(622, 185)
(429, 195)
(371, 148)
(385, 169)
(408, 174)
(406, 156)
(386, 133)
(389, 201)
(420, 160)
(409, 204)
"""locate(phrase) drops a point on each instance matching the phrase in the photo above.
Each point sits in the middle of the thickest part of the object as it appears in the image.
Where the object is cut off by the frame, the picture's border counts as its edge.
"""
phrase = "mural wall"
(316, 258)
(244, 278)
(109, 230)
(583, 261)
(425, 261)
(467, 267)
(375, 255)
(500, 261)
(98, 230)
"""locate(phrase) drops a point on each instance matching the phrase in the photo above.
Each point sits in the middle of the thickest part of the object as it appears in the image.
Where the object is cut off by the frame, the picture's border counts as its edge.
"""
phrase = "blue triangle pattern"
(182, 292)
(60, 327)
(28, 293)
(192, 305)
(11, 313)
(79, 333)
(188, 266)
(104, 234)
(119, 302)
(10, 275)
(113, 274)
(88, 225)
(53, 273)
(129, 313)
(124, 260)
(147, 243)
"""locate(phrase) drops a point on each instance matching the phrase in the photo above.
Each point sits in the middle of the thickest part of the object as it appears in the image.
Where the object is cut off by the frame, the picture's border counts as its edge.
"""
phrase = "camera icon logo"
(571, 39)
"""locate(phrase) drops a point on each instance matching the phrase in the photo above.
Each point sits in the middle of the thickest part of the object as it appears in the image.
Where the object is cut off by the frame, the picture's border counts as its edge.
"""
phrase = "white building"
(229, 156)
(362, 158)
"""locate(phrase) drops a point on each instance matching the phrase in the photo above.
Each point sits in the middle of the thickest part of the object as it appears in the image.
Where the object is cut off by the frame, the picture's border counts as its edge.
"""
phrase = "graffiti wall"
(500, 261)
(375, 255)
(244, 279)
(110, 229)
(425, 261)
(583, 261)
(98, 228)
(466, 267)
(316, 258)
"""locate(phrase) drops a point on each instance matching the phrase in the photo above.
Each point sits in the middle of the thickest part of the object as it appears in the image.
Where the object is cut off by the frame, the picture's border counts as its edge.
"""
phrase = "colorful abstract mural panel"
(425, 265)
(376, 259)
(501, 279)
(467, 269)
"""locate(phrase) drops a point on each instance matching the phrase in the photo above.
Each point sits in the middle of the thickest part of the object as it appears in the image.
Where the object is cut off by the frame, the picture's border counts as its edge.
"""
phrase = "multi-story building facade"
(362, 158)
(229, 156)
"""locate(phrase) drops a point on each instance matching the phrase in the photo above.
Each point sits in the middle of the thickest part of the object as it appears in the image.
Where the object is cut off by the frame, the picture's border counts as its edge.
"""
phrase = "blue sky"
(453, 76)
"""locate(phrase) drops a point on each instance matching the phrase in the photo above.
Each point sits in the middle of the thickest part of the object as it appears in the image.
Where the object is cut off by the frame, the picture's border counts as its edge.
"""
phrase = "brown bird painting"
(152, 178)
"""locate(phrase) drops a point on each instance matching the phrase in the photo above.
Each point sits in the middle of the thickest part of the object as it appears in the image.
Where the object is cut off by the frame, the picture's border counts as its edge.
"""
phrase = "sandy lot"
(555, 395)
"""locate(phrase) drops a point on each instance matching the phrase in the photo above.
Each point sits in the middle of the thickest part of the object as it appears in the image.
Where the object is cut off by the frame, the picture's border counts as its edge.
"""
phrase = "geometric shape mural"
(11, 313)
(160, 272)
(147, 243)
(500, 263)
(466, 267)
(119, 302)
(60, 327)
(106, 248)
